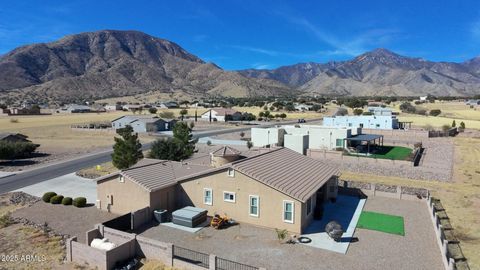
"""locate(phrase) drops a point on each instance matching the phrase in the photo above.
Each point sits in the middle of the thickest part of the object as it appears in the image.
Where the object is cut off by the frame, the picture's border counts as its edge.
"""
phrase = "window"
(288, 211)
(339, 142)
(207, 196)
(309, 206)
(121, 179)
(229, 196)
(361, 125)
(253, 205)
(231, 172)
(377, 125)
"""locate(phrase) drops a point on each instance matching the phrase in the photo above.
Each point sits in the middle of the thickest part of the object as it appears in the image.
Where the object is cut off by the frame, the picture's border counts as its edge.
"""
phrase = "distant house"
(362, 121)
(424, 98)
(132, 107)
(144, 123)
(168, 105)
(13, 137)
(24, 110)
(116, 107)
(75, 108)
(220, 114)
(276, 189)
(302, 107)
(379, 111)
(473, 102)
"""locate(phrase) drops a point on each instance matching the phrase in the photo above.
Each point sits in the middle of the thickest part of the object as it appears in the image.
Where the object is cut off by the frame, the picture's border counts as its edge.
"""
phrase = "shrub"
(57, 199)
(209, 143)
(152, 110)
(281, 234)
(15, 150)
(435, 112)
(13, 120)
(80, 202)
(249, 144)
(67, 201)
(47, 196)
(357, 111)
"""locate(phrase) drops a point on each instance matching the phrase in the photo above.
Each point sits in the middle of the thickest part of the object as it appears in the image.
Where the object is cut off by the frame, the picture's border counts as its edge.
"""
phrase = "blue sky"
(238, 34)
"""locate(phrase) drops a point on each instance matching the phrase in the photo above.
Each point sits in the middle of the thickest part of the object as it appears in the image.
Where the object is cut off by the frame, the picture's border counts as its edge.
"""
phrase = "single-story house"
(13, 137)
(302, 107)
(220, 114)
(76, 108)
(116, 107)
(362, 121)
(168, 105)
(144, 123)
(276, 189)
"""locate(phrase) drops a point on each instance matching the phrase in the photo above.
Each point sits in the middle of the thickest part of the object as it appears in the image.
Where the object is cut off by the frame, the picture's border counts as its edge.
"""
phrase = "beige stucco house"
(276, 189)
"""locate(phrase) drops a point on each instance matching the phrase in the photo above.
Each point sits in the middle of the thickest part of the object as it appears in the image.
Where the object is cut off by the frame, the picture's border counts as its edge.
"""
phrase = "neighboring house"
(473, 102)
(144, 123)
(380, 111)
(168, 105)
(116, 107)
(220, 114)
(13, 137)
(302, 107)
(423, 99)
(132, 107)
(75, 108)
(302, 137)
(24, 111)
(276, 189)
(362, 121)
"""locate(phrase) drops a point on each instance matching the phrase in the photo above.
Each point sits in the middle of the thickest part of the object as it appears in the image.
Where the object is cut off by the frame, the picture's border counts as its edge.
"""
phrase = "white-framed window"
(229, 196)
(288, 211)
(207, 196)
(121, 179)
(254, 203)
(309, 206)
(231, 172)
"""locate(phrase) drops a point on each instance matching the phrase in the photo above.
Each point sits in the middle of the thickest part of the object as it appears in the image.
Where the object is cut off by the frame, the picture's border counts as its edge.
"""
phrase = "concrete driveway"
(69, 185)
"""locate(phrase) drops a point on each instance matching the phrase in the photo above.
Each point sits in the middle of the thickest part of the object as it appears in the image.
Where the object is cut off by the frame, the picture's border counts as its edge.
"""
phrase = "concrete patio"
(346, 211)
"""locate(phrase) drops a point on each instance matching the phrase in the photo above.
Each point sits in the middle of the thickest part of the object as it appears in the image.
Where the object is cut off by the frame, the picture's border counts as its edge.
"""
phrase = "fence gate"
(191, 256)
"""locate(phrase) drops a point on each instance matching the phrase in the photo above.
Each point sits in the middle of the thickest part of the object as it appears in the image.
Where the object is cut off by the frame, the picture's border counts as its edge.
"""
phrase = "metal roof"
(364, 137)
(288, 172)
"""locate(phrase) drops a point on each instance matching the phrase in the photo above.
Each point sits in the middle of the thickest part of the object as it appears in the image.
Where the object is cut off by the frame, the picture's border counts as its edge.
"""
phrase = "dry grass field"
(460, 198)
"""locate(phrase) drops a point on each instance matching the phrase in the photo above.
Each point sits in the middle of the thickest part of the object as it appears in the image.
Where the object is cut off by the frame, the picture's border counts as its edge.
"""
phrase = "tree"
(183, 112)
(127, 150)
(152, 110)
(168, 115)
(242, 134)
(178, 148)
(435, 112)
(407, 107)
(261, 114)
(249, 145)
(454, 124)
(357, 111)
(462, 126)
(283, 116)
(15, 150)
(290, 107)
(316, 107)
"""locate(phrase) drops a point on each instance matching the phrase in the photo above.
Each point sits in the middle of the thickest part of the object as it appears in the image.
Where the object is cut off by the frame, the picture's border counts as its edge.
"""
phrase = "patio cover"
(364, 137)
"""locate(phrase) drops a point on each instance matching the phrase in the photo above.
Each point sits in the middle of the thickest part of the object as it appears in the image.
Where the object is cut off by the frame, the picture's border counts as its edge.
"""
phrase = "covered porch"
(363, 143)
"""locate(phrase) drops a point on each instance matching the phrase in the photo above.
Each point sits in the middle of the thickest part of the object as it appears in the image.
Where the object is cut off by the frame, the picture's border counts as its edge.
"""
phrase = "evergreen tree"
(127, 150)
(180, 147)
(454, 124)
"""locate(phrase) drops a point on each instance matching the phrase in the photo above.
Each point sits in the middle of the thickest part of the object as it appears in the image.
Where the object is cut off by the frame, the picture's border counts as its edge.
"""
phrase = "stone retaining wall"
(383, 190)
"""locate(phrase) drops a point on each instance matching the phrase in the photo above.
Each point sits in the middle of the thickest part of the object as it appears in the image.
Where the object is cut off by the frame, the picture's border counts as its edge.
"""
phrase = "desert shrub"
(169, 115)
(14, 120)
(435, 112)
(407, 107)
(367, 113)
(152, 110)
(421, 111)
(67, 201)
(79, 202)
(57, 199)
(249, 144)
(446, 128)
(48, 195)
(462, 126)
(15, 150)
(209, 143)
(281, 234)
(5, 220)
(357, 111)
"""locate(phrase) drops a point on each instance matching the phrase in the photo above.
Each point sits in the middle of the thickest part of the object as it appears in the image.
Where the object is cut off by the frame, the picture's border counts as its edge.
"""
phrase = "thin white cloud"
(261, 66)
(200, 38)
(256, 50)
(475, 30)
(353, 46)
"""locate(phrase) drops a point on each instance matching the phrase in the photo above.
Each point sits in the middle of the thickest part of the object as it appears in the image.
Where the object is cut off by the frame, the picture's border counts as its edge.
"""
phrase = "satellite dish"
(334, 230)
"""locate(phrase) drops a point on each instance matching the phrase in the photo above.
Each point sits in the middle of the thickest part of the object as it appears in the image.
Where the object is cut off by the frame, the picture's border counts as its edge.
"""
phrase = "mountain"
(379, 72)
(113, 63)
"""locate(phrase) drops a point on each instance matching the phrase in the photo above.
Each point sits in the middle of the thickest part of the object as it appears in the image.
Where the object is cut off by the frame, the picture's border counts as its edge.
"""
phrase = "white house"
(379, 111)
(219, 114)
(362, 121)
(301, 137)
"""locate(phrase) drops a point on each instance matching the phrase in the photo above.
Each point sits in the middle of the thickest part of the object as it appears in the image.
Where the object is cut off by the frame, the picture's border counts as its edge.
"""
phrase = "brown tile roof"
(155, 174)
(288, 172)
(225, 151)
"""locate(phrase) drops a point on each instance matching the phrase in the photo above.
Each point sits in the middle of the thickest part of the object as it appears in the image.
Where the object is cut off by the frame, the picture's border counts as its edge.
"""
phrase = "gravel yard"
(374, 250)
(65, 220)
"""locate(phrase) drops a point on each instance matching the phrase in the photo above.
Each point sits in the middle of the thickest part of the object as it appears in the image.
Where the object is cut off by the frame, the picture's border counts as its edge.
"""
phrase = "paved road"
(54, 170)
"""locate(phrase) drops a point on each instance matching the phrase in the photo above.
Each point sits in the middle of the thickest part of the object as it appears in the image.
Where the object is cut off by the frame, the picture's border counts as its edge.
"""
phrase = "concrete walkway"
(346, 211)
(69, 185)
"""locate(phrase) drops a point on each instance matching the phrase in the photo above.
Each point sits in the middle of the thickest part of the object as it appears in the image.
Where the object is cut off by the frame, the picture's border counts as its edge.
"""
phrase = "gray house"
(144, 123)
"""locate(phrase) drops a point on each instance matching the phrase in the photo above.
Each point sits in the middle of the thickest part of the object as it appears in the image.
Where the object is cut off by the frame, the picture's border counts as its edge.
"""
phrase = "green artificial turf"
(391, 152)
(381, 222)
